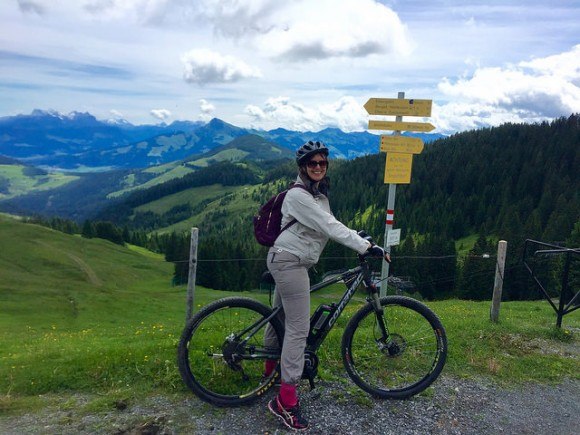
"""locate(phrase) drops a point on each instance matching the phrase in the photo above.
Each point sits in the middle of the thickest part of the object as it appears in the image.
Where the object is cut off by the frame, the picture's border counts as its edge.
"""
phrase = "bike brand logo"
(345, 300)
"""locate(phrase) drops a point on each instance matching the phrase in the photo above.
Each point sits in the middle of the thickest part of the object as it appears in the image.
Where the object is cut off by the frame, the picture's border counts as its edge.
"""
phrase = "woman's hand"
(377, 251)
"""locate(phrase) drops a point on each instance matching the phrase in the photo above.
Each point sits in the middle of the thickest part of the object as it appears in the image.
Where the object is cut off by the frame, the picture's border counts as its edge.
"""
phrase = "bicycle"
(393, 347)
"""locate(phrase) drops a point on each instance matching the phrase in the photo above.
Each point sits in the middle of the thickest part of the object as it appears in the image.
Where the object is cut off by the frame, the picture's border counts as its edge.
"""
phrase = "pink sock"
(270, 366)
(288, 395)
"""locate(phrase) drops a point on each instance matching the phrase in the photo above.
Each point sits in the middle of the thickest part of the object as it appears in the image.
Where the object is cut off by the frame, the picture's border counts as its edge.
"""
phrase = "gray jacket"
(316, 224)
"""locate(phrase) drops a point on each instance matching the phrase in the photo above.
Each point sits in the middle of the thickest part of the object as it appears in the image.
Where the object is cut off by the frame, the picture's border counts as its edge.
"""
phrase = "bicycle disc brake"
(394, 347)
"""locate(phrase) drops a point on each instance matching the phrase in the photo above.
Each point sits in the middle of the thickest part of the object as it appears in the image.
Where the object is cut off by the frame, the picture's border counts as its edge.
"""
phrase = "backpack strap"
(293, 221)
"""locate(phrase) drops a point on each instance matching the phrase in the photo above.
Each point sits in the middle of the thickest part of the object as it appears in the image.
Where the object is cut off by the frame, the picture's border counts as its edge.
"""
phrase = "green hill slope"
(249, 147)
(16, 179)
(50, 278)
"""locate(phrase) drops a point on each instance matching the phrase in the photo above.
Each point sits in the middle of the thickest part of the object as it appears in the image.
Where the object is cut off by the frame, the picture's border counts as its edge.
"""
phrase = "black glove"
(377, 251)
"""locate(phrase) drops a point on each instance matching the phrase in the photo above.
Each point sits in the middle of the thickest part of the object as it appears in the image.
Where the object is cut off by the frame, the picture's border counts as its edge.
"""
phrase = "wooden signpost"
(400, 151)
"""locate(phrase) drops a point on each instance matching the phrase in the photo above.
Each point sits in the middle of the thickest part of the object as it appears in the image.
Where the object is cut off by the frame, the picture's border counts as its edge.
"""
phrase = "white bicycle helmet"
(309, 149)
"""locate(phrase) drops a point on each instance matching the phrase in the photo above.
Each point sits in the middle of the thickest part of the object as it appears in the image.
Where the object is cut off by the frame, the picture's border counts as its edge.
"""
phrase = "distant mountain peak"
(50, 112)
(118, 121)
(218, 123)
(72, 116)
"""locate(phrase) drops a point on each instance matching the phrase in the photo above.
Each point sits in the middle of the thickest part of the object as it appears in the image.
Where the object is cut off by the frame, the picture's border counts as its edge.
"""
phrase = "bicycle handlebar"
(364, 235)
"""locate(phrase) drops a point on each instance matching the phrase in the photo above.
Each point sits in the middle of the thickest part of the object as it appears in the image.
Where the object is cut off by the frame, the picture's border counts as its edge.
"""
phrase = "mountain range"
(81, 143)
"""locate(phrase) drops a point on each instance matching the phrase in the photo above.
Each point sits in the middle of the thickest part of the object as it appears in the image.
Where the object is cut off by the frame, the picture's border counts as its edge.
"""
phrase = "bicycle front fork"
(383, 340)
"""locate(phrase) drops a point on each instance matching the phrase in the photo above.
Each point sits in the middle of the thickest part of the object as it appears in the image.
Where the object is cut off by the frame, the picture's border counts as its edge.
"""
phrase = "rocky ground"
(452, 406)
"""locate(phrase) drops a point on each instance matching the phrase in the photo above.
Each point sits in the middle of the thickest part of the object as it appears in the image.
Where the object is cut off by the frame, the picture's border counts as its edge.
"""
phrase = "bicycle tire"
(200, 354)
(414, 361)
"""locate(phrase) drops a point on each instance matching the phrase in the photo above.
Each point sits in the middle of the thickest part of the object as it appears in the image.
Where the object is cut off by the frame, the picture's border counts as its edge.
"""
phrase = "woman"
(297, 249)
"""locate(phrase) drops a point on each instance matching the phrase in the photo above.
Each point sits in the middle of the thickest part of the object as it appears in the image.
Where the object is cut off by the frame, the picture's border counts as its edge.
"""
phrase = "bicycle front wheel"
(221, 353)
(405, 362)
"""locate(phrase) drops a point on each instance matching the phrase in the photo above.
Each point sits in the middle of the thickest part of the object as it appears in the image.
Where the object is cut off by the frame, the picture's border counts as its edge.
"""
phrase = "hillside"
(250, 147)
(85, 195)
(88, 332)
(467, 191)
(59, 279)
(512, 182)
(17, 179)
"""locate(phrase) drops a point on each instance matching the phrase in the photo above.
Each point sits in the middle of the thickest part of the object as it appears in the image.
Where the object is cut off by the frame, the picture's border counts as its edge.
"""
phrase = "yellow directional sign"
(398, 106)
(398, 168)
(401, 144)
(401, 126)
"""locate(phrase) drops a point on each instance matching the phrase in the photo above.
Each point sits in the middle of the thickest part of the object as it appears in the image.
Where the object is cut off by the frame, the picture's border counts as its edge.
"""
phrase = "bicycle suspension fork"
(375, 301)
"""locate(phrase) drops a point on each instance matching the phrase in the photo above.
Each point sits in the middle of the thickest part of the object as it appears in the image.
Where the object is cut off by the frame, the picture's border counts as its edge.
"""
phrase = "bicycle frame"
(353, 277)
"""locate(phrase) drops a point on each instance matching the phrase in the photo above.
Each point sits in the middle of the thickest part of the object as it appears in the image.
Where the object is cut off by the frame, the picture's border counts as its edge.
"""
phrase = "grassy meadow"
(79, 315)
(20, 181)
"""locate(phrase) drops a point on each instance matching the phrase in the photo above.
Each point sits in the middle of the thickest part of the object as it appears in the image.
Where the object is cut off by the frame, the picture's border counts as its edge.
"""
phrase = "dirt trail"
(92, 277)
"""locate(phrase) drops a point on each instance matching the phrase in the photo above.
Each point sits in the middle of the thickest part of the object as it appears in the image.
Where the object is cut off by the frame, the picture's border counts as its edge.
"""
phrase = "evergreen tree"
(477, 273)
(108, 231)
(88, 230)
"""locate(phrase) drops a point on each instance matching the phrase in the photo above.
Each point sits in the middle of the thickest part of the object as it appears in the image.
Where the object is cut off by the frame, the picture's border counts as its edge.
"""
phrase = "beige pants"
(293, 293)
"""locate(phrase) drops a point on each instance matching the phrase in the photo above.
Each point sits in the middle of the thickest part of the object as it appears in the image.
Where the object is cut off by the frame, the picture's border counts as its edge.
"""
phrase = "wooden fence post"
(191, 274)
(498, 283)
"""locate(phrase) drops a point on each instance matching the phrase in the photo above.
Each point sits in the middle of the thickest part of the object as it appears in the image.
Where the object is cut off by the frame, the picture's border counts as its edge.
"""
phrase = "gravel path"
(451, 407)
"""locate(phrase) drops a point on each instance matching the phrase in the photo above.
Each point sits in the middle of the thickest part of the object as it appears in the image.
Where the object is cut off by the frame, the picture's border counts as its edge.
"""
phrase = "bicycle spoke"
(402, 363)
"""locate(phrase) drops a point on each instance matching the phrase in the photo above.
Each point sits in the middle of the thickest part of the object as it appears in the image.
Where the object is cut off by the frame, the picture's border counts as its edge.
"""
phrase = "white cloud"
(564, 65)
(116, 113)
(527, 92)
(207, 109)
(204, 66)
(304, 30)
(347, 113)
(161, 114)
(339, 29)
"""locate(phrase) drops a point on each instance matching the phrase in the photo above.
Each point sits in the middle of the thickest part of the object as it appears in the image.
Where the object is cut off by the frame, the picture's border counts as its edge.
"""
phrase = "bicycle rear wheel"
(221, 353)
(404, 364)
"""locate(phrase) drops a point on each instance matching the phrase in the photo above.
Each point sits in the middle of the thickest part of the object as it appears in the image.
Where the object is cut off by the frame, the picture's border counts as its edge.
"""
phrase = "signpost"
(398, 168)
(394, 237)
(423, 127)
(400, 150)
(398, 106)
(401, 144)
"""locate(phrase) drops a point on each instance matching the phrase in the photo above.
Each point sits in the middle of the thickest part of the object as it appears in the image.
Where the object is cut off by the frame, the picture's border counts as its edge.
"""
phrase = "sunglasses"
(314, 163)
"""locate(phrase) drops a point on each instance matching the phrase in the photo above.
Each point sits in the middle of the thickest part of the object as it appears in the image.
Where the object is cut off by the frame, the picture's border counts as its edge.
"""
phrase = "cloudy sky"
(296, 64)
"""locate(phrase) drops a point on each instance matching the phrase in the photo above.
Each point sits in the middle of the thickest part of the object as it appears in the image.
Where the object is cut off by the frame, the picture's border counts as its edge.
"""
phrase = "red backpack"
(268, 221)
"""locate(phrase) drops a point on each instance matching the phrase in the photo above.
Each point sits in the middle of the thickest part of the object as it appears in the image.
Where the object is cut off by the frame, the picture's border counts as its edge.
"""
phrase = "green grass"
(237, 203)
(20, 183)
(193, 196)
(164, 173)
(229, 155)
(465, 244)
(80, 315)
